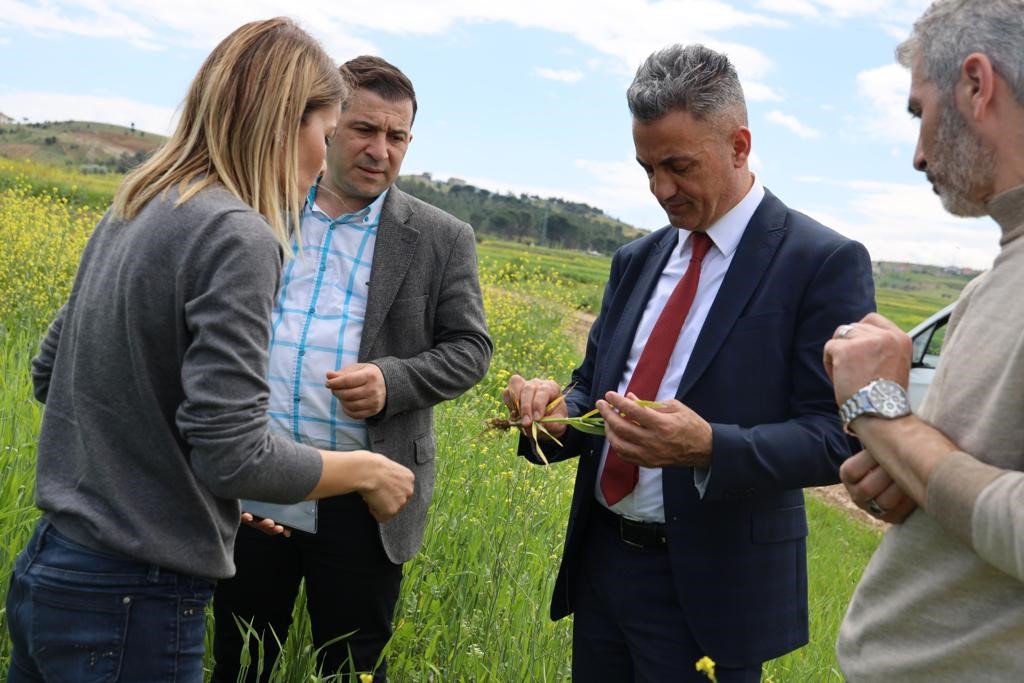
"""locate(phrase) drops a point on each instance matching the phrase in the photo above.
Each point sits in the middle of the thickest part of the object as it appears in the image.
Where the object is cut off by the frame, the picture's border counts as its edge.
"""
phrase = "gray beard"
(964, 165)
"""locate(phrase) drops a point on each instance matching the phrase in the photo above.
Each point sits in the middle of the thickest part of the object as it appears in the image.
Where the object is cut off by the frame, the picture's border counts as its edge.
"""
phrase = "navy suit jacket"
(755, 374)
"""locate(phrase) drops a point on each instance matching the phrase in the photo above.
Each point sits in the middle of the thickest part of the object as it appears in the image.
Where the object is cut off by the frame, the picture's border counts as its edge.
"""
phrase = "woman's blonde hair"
(240, 122)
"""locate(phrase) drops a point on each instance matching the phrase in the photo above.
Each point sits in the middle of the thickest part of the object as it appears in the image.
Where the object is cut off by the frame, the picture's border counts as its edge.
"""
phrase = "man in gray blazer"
(380, 317)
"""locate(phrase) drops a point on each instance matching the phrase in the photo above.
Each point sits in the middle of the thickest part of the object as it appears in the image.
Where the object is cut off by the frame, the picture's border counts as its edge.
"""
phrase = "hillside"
(90, 147)
(527, 219)
(82, 145)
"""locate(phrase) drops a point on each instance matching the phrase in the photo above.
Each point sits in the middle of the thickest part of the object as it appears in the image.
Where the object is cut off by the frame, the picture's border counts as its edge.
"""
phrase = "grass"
(474, 602)
(80, 190)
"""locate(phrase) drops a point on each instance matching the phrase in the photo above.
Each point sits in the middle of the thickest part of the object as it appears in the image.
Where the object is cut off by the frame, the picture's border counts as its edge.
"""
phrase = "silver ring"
(876, 509)
(843, 331)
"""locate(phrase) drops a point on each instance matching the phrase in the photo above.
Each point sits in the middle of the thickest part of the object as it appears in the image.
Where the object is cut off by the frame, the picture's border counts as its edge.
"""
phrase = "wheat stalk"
(589, 423)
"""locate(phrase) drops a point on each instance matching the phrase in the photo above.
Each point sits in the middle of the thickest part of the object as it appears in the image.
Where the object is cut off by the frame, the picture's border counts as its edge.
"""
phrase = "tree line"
(525, 218)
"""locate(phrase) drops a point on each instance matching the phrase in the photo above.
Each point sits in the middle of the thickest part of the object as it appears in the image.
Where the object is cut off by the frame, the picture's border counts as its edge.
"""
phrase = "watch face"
(889, 399)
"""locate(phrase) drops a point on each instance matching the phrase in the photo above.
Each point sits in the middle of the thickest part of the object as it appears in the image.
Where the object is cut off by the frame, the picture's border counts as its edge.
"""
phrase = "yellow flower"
(365, 678)
(706, 666)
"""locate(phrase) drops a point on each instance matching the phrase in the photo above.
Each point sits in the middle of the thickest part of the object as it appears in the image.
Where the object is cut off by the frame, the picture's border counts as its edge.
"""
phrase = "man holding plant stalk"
(379, 319)
(687, 527)
(943, 596)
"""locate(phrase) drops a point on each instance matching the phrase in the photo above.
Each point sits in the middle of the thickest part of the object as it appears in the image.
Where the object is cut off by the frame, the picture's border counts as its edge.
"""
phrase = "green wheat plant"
(590, 422)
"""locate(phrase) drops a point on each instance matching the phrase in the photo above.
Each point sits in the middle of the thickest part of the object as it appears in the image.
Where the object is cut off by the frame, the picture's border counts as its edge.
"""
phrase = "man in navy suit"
(687, 530)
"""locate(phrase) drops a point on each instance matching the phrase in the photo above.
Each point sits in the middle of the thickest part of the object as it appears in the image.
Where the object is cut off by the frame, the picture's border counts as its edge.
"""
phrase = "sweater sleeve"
(229, 299)
(984, 507)
(42, 364)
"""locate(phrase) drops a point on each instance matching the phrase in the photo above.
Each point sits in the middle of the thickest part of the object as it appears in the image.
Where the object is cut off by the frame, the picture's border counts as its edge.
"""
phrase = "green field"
(474, 602)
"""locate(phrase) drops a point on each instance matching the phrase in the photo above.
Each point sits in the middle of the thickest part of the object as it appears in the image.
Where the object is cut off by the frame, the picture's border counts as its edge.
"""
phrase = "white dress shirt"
(646, 502)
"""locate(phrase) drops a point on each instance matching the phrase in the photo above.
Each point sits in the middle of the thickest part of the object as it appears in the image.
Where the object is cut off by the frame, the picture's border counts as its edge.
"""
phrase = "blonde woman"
(153, 379)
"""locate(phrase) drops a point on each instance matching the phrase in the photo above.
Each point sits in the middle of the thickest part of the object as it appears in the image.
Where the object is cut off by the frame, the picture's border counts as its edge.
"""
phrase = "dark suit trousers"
(351, 586)
(628, 623)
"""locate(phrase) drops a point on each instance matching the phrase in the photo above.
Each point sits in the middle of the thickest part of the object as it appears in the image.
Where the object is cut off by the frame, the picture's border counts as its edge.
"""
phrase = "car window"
(928, 345)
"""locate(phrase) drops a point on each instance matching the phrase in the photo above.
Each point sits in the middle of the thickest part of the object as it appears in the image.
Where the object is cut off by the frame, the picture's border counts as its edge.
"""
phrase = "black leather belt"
(646, 535)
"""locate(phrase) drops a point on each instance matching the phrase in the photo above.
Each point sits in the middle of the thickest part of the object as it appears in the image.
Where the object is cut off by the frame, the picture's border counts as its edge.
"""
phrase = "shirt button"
(302, 352)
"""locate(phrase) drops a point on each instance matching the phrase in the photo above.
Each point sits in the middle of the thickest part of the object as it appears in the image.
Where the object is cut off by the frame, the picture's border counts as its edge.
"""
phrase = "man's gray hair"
(950, 30)
(691, 78)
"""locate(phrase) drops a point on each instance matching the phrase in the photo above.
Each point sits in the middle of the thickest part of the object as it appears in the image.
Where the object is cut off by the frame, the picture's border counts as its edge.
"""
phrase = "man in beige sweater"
(943, 596)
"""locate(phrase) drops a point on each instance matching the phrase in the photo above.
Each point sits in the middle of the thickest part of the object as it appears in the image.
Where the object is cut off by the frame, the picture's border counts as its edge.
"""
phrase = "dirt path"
(836, 496)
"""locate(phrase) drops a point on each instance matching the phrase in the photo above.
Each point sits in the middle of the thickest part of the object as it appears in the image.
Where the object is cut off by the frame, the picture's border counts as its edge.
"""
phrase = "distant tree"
(127, 162)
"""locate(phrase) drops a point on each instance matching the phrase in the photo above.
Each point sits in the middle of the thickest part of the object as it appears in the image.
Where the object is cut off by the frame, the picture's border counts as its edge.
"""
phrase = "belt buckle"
(622, 535)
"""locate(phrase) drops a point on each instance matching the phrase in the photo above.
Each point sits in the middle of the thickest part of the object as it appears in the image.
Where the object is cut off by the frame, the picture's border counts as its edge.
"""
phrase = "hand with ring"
(863, 351)
(873, 490)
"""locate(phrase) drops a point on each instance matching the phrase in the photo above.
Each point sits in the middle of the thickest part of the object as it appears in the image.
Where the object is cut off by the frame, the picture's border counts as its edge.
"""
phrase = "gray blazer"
(425, 330)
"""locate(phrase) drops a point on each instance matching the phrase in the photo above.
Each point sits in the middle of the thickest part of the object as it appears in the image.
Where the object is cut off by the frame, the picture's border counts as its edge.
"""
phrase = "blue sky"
(529, 95)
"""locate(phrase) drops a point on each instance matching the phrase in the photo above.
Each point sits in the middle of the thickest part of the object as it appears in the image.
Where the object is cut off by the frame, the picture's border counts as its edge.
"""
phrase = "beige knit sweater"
(943, 597)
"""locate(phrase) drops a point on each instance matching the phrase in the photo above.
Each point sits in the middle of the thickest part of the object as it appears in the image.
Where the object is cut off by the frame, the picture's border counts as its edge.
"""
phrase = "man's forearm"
(907, 448)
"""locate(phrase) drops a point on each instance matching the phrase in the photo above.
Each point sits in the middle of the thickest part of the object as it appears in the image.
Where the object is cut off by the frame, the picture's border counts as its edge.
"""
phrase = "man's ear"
(976, 86)
(740, 146)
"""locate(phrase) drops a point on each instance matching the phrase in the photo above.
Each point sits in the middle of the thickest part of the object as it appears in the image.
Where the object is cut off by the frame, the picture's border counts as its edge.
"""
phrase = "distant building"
(5, 119)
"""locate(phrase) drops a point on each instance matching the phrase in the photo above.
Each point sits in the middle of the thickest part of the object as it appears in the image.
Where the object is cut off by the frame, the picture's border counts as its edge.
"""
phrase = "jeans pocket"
(192, 634)
(78, 635)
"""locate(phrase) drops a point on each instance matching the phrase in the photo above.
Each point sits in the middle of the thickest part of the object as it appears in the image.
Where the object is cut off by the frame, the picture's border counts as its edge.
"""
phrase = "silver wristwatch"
(881, 398)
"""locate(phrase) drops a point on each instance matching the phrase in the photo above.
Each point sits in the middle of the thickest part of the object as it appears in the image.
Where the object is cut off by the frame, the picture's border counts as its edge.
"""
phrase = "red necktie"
(619, 477)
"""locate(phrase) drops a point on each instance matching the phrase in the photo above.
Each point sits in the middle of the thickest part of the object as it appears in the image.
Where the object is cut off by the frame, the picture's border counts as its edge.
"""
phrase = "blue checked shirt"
(318, 323)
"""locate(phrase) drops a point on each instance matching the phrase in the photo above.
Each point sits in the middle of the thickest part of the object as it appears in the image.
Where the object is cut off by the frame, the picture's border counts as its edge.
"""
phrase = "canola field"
(474, 603)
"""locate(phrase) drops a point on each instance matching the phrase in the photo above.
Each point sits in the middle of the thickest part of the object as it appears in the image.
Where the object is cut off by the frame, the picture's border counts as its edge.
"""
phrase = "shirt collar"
(727, 231)
(369, 215)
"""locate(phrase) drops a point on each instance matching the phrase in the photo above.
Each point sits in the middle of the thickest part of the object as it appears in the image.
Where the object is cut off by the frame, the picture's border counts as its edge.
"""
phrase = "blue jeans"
(78, 614)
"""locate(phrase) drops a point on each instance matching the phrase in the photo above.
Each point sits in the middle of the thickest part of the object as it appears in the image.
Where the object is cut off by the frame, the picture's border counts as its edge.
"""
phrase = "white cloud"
(103, 22)
(617, 183)
(846, 8)
(561, 75)
(898, 31)
(894, 17)
(792, 124)
(905, 222)
(802, 8)
(891, 11)
(46, 106)
(885, 89)
(754, 91)
(624, 29)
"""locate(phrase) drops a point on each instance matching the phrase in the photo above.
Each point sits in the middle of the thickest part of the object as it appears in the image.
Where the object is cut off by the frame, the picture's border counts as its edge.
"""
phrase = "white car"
(928, 337)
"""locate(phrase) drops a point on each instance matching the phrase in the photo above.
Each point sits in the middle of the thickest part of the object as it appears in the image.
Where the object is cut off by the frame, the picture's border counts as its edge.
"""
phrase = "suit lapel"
(650, 268)
(392, 254)
(756, 249)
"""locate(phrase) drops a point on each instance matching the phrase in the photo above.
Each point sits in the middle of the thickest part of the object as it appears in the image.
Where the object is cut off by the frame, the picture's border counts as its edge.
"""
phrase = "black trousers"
(351, 587)
(629, 626)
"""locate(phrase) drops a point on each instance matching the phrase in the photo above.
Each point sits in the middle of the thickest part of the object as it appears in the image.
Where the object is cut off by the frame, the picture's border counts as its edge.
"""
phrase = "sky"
(528, 96)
